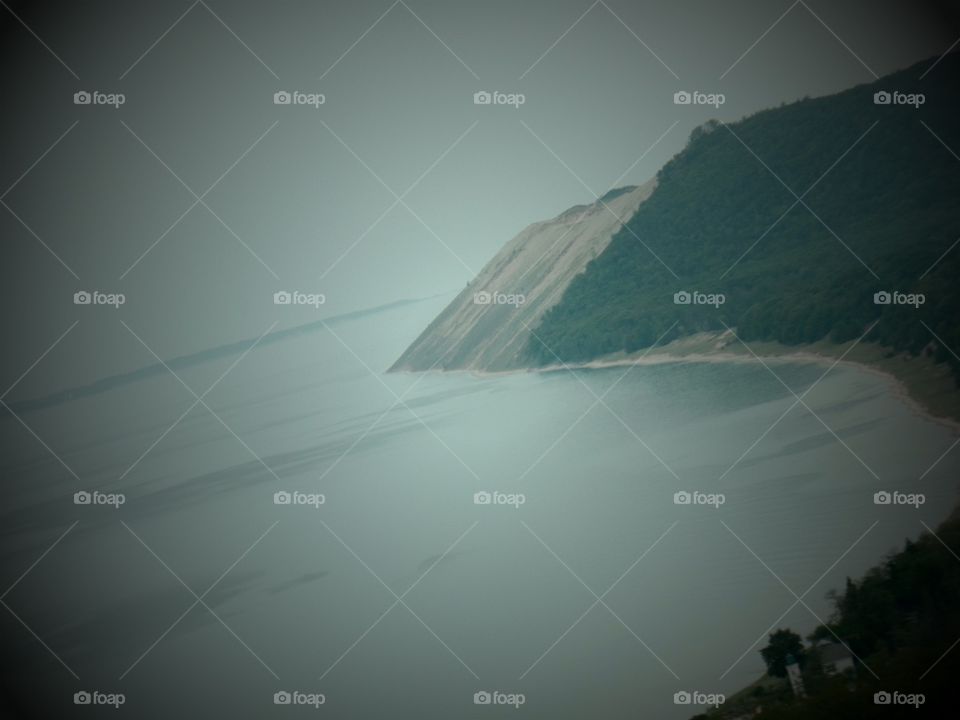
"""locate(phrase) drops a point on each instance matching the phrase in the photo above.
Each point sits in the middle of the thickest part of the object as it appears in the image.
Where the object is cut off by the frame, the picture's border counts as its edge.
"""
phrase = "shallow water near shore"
(493, 597)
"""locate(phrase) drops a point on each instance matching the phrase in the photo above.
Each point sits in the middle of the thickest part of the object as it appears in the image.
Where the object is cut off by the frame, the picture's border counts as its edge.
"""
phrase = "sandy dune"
(488, 324)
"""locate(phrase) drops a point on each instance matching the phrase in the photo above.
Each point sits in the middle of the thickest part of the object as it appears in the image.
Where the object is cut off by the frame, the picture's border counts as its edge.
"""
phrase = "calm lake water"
(492, 597)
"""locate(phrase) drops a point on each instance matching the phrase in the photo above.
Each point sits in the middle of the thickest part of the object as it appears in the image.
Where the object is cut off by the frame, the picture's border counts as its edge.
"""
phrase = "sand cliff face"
(489, 322)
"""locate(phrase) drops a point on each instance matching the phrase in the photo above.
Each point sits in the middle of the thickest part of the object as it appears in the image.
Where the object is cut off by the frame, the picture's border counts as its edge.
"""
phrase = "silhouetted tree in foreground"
(782, 643)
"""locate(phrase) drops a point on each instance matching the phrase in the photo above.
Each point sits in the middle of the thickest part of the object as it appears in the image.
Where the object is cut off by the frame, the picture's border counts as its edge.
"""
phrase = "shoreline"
(713, 348)
(897, 386)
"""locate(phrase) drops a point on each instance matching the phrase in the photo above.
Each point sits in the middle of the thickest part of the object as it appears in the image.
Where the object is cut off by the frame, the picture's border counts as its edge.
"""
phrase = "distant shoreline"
(927, 388)
(898, 387)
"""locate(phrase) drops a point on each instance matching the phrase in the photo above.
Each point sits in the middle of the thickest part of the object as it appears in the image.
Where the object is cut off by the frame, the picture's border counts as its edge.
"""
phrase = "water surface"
(502, 598)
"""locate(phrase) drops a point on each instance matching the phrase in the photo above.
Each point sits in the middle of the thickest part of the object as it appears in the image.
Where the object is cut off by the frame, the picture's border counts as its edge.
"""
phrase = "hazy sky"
(307, 201)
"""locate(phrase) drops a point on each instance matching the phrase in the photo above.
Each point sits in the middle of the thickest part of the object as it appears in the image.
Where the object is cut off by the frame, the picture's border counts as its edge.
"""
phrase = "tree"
(823, 633)
(782, 643)
(714, 202)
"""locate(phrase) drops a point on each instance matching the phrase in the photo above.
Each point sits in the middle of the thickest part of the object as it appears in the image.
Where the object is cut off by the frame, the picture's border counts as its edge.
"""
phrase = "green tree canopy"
(783, 643)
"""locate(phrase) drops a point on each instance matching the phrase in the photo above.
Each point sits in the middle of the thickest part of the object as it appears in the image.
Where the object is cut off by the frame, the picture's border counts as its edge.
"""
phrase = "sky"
(198, 198)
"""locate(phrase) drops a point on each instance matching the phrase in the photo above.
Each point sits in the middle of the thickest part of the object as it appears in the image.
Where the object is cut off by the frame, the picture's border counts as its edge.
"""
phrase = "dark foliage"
(877, 190)
(901, 620)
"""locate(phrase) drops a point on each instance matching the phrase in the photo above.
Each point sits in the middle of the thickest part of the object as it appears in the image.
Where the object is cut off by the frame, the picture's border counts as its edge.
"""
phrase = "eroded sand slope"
(538, 264)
